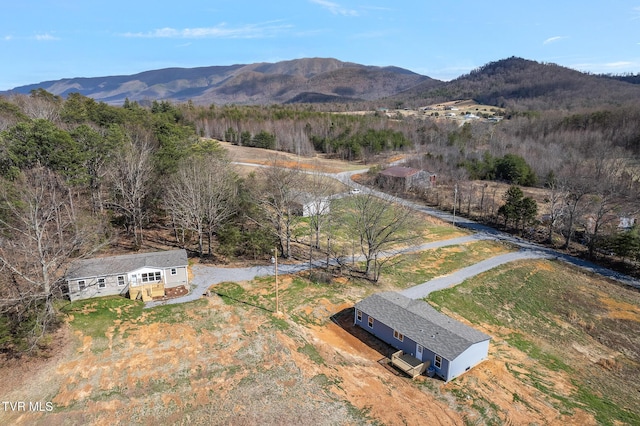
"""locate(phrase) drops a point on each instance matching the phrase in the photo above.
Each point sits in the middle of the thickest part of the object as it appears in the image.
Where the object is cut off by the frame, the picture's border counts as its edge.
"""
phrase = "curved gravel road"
(206, 276)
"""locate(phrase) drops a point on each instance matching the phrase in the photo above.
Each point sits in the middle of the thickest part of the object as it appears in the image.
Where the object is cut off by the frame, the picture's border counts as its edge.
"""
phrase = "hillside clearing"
(229, 359)
(259, 156)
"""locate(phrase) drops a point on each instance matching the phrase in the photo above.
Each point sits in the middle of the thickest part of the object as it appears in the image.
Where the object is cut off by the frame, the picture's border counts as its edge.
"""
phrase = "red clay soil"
(173, 292)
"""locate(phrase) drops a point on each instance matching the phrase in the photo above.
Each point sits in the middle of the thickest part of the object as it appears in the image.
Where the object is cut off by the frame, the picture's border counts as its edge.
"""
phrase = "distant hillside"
(523, 84)
(311, 79)
(511, 83)
(628, 78)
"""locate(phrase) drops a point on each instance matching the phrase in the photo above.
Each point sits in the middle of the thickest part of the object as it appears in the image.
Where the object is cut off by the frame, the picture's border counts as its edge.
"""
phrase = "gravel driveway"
(422, 290)
(205, 276)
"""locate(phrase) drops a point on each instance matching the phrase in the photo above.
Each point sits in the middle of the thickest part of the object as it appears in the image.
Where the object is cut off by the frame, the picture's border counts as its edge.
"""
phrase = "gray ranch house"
(140, 275)
(426, 339)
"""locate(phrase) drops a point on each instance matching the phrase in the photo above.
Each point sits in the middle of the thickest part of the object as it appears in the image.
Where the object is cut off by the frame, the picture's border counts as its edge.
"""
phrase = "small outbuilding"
(140, 275)
(316, 206)
(425, 338)
(402, 178)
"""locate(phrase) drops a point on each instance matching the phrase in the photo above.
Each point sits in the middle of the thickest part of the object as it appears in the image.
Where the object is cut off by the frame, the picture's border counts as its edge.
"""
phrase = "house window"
(359, 315)
(174, 271)
(151, 276)
(102, 283)
(370, 322)
(398, 335)
(120, 280)
(438, 362)
(82, 285)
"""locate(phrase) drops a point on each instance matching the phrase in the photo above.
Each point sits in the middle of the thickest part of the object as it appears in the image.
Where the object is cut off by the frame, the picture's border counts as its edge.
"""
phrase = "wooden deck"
(146, 292)
(410, 365)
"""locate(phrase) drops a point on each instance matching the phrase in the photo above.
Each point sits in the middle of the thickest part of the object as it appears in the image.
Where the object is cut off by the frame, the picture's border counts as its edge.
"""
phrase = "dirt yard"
(172, 373)
(228, 362)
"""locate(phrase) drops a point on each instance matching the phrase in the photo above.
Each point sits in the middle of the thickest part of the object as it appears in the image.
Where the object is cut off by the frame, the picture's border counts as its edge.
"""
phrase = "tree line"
(77, 173)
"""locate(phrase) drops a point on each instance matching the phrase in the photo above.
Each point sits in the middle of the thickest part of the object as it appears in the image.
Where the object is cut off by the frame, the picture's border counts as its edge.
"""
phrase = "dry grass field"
(319, 162)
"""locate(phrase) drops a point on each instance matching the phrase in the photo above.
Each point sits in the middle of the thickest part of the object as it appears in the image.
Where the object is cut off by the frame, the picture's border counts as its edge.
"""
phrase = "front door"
(419, 352)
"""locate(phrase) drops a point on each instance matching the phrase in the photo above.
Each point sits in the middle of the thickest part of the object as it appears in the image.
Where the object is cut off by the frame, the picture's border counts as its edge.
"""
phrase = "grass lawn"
(423, 229)
(567, 321)
(417, 268)
(95, 316)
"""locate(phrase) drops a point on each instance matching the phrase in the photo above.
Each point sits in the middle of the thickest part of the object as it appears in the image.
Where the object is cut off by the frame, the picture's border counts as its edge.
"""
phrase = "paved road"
(205, 276)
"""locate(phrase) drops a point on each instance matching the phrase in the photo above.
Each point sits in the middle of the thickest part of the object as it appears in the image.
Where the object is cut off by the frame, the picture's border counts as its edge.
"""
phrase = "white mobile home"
(143, 275)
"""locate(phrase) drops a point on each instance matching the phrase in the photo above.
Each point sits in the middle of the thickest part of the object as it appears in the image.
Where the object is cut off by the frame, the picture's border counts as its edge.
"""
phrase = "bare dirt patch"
(318, 162)
(173, 292)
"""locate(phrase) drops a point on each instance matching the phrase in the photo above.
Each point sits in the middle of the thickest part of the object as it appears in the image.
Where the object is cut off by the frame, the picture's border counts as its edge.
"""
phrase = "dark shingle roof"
(421, 323)
(117, 265)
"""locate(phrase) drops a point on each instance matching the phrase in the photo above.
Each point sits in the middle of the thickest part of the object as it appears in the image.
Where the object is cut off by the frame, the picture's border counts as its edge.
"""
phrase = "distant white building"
(626, 222)
(319, 206)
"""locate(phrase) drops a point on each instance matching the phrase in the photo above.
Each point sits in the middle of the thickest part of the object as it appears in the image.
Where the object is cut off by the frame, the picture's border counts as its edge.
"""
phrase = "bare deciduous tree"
(41, 233)
(555, 209)
(573, 205)
(319, 189)
(278, 193)
(606, 200)
(40, 104)
(379, 224)
(130, 175)
(202, 195)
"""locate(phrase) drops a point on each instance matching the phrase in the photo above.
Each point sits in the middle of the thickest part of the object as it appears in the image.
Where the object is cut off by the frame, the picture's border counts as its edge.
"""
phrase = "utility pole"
(274, 260)
(328, 241)
(455, 201)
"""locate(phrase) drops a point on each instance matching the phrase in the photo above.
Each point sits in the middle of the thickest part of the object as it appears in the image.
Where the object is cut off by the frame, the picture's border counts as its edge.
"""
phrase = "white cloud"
(335, 8)
(553, 39)
(264, 30)
(608, 67)
(619, 64)
(45, 37)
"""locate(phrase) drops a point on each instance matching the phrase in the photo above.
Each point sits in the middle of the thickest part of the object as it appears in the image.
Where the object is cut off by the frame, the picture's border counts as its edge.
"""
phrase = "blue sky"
(44, 40)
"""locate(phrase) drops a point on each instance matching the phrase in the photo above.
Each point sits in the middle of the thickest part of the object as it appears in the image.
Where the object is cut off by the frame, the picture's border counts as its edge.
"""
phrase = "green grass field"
(552, 310)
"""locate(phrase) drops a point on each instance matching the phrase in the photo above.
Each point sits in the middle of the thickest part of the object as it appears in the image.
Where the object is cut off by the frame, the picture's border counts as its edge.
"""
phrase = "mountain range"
(512, 82)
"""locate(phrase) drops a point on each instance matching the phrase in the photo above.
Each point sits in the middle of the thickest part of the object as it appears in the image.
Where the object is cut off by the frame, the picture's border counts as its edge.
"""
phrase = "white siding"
(476, 353)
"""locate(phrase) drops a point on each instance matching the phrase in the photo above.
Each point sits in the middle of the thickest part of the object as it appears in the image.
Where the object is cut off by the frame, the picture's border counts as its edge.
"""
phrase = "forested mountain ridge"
(259, 83)
(523, 84)
(514, 83)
